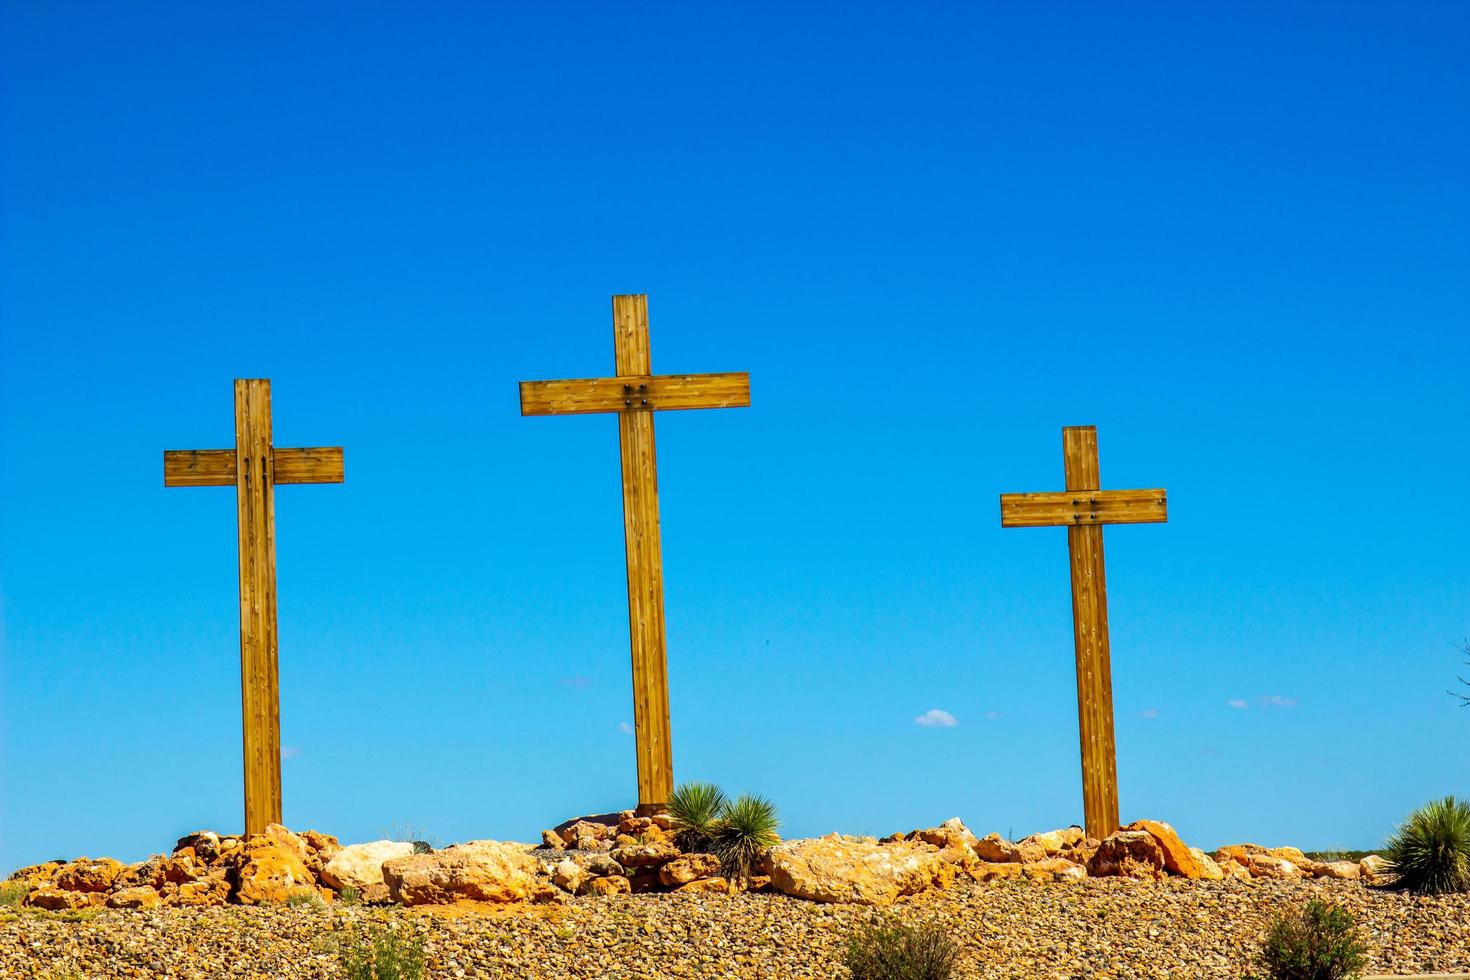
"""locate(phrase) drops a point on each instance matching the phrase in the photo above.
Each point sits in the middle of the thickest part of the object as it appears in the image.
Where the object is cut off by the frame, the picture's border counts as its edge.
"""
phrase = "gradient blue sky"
(1235, 237)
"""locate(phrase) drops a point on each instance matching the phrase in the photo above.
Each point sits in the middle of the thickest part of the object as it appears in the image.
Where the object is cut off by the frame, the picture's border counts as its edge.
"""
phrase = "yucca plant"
(1318, 942)
(744, 831)
(694, 811)
(1430, 852)
(901, 953)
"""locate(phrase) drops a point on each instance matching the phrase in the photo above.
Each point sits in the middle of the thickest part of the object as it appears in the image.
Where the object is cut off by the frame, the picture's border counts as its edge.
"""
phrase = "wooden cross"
(1083, 508)
(635, 394)
(253, 468)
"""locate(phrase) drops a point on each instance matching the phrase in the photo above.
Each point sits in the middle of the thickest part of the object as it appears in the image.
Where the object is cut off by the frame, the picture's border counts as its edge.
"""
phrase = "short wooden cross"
(253, 468)
(1083, 508)
(635, 394)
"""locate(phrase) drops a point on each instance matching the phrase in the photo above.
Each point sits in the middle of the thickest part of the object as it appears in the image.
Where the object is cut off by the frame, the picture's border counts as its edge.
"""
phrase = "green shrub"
(901, 953)
(349, 896)
(1317, 942)
(745, 829)
(694, 810)
(384, 955)
(304, 897)
(11, 893)
(1430, 852)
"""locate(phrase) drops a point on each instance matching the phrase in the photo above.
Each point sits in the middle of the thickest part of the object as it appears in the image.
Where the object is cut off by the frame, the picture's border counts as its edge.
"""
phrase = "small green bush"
(901, 953)
(304, 897)
(1430, 852)
(349, 896)
(1318, 942)
(694, 810)
(745, 830)
(383, 955)
(11, 893)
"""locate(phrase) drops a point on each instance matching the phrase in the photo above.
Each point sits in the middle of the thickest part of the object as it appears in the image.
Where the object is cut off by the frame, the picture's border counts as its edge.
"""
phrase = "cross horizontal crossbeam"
(1073, 507)
(216, 467)
(636, 393)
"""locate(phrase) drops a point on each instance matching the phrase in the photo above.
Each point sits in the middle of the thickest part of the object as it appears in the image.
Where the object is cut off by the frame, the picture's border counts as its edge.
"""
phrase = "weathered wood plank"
(645, 562)
(216, 467)
(1090, 632)
(1091, 507)
(636, 392)
(315, 464)
(198, 467)
(259, 680)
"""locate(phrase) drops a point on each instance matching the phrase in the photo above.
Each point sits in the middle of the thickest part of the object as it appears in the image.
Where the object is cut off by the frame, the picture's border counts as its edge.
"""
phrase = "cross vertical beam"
(253, 468)
(1090, 632)
(260, 697)
(645, 558)
(635, 393)
(1083, 508)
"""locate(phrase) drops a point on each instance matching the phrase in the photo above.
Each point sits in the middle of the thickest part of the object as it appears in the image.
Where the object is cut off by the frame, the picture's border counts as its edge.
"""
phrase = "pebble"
(1094, 928)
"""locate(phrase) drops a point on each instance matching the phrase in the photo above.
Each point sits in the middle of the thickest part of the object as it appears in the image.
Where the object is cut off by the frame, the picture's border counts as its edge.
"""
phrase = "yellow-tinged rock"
(360, 866)
(995, 870)
(89, 876)
(270, 872)
(1209, 870)
(1178, 859)
(611, 885)
(207, 892)
(1053, 869)
(689, 868)
(480, 871)
(853, 869)
(141, 897)
(1374, 869)
(53, 898)
(1338, 870)
(706, 886)
(37, 875)
(1128, 854)
(1054, 842)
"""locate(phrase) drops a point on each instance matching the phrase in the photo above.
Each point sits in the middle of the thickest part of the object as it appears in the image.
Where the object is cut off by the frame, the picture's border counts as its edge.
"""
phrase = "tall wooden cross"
(635, 394)
(1083, 509)
(253, 468)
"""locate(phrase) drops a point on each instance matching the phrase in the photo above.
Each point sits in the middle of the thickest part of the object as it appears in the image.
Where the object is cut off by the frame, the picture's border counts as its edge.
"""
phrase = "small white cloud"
(290, 751)
(936, 718)
(1149, 713)
(1238, 703)
(992, 715)
(625, 728)
(1278, 701)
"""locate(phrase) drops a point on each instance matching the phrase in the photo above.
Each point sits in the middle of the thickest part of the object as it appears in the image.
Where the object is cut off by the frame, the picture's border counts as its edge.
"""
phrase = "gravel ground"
(1098, 928)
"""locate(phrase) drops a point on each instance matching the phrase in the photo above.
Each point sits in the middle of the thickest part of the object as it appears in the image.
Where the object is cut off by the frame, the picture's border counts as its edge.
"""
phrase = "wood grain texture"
(1094, 507)
(314, 464)
(259, 678)
(645, 562)
(1090, 635)
(254, 468)
(216, 467)
(632, 393)
(1083, 509)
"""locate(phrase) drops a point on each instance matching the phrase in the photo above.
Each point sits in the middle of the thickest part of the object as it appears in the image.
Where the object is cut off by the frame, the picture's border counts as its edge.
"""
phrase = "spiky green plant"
(901, 953)
(1430, 852)
(384, 955)
(11, 892)
(745, 830)
(694, 811)
(1317, 942)
(350, 896)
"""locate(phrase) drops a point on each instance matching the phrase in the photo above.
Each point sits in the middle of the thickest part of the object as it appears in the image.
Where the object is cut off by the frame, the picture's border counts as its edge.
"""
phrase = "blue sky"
(1234, 237)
